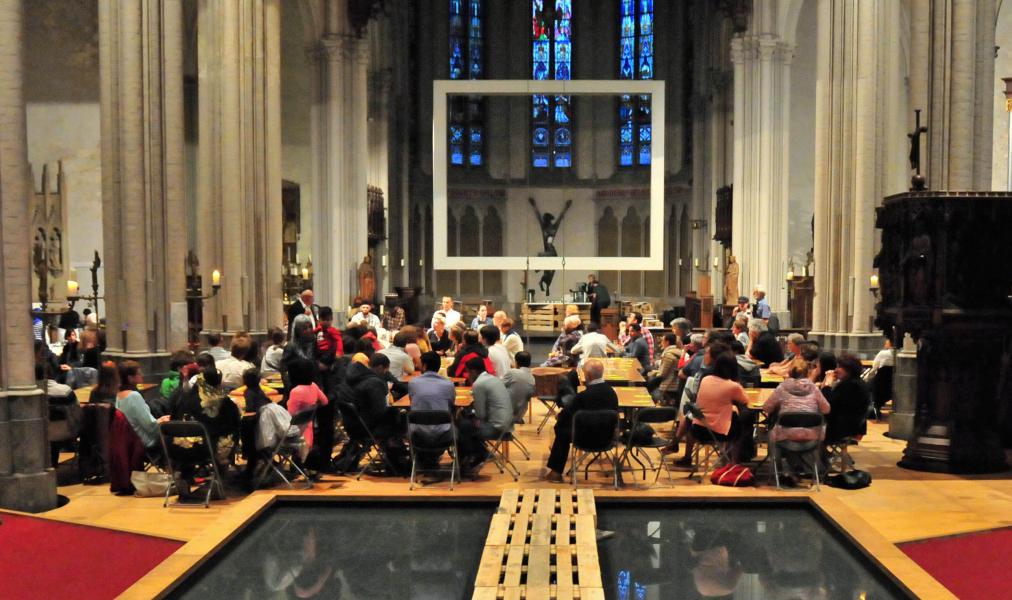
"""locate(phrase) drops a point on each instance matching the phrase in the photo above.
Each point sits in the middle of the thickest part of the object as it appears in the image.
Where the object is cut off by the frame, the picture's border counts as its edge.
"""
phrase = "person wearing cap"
(742, 308)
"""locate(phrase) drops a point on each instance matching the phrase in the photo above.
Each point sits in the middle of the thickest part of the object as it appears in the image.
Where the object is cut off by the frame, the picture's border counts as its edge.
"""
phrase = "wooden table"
(83, 394)
(238, 395)
(769, 379)
(462, 399)
(633, 397)
(620, 371)
(757, 397)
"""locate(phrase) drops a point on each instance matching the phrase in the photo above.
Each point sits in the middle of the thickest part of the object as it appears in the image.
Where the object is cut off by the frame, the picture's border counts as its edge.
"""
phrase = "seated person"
(401, 364)
(598, 395)
(255, 394)
(492, 411)
(233, 367)
(718, 398)
(667, 370)
(637, 347)
(214, 346)
(431, 391)
(366, 388)
(306, 395)
(271, 362)
(497, 353)
(482, 319)
(108, 384)
(365, 317)
(740, 329)
(520, 384)
(886, 357)
(510, 338)
(594, 344)
(471, 348)
(763, 346)
(797, 394)
(848, 398)
(393, 320)
(748, 369)
(65, 414)
(439, 336)
(130, 402)
(207, 403)
(179, 360)
(562, 351)
(794, 342)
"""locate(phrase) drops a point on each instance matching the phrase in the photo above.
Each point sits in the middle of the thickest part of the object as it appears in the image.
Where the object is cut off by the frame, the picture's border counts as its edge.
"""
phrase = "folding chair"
(511, 438)
(171, 430)
(838, 455)
(359, 433)
(594, 436)
(284, 453)
(811, 448)
(496, 454)
(704, 451)
(546, 386)
(659, 414)
(433, 417)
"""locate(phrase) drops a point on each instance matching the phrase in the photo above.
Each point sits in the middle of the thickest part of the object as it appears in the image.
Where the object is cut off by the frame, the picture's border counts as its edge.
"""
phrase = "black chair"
(284, 453)
(432, 417)
(634, 447)
(359, 433)
(93, 447)
(882, 388)
(196, 433)
(594, 436)
(809, 449)
(704, 450)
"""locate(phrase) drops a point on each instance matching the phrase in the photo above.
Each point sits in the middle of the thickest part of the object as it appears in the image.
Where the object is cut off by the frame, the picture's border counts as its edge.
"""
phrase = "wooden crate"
(541, 544)
(539, 318)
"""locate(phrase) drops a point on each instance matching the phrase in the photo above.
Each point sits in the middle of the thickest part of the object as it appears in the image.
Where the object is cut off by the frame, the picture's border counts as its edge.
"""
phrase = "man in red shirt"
(328, 337)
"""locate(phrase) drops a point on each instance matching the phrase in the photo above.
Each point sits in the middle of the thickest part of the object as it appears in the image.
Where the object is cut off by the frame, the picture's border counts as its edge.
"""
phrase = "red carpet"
(972, 566)
(40, 558)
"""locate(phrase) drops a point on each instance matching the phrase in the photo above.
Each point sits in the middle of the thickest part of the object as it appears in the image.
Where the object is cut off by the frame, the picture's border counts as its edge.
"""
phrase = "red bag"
(732, 476)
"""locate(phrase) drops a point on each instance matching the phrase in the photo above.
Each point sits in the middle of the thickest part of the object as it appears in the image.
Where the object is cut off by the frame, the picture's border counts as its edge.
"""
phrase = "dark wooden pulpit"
(945, 271)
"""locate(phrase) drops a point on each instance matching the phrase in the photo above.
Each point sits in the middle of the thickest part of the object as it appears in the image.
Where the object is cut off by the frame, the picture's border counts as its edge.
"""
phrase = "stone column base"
(32, 493)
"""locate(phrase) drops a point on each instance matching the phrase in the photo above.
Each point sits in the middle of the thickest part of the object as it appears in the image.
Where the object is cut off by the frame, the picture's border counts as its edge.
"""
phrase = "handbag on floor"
(850, 480)
(150, 483)
(732, 476)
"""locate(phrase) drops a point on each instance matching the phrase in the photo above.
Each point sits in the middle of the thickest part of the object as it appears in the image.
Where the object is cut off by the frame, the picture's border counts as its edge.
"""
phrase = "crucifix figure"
(549, 227)
(917, 180)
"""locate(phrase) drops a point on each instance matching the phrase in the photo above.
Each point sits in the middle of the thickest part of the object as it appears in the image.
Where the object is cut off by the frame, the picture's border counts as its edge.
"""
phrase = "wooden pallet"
(542, 544)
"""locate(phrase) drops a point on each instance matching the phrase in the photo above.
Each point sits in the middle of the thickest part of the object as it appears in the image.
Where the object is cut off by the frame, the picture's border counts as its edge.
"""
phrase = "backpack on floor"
(732, 476)
(850, 480)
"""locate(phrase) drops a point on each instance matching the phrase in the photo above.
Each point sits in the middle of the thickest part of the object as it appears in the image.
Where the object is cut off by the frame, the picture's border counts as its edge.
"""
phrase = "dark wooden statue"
(549, 227)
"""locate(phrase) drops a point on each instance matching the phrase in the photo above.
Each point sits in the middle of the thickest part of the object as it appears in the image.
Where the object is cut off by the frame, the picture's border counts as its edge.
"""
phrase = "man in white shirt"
(497, 354)
(452, 316)
(233, 367)
(365, 317)
(594, 344)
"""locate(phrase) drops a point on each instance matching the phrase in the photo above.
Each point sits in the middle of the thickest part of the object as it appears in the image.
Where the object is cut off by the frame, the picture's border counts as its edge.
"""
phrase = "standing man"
(303, 306)
(762, 307)
(452, 316)
(598, 296)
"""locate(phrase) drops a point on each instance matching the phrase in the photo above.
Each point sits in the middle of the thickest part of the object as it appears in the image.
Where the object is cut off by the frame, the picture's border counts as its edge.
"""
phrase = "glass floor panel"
(350, 551)
(754, 552)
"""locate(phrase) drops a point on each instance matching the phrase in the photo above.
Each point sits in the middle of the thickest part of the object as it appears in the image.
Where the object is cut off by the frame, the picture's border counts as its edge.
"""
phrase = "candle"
(790, 274)
(71, 287)
(305, 273)
(679, 262)
(696, 263)
(215, 277)
(874, 282)
(716, 261)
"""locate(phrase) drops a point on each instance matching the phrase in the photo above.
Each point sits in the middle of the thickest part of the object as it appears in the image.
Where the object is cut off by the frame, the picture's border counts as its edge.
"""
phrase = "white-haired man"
(303, 306)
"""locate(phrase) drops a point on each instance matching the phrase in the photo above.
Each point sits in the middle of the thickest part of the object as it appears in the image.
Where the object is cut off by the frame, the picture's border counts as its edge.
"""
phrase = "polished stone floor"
(753, 553)
(355, 551)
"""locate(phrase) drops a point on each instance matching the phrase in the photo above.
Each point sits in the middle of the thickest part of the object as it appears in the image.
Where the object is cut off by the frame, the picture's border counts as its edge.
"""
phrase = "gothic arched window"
(467, 58)
(636, 61)
(551, 58)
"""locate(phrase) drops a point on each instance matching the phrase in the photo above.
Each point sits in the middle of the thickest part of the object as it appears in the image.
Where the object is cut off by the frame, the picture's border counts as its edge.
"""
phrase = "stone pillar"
(26, 483)
(143, 197)
(761, 137)
(856, 163)
(951, 79)
(239, 168)
(341, 166)
(901, 419)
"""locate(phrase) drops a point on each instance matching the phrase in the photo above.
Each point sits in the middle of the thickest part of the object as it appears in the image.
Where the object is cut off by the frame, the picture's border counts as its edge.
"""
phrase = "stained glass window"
(466, 133)
(551, 58)
(636, 61)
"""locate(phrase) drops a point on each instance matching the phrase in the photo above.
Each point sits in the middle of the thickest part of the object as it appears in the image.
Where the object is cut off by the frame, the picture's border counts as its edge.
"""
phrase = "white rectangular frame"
(442, 88)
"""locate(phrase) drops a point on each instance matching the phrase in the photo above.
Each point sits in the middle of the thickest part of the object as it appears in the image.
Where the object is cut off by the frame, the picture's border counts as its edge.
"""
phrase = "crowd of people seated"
(362, 364)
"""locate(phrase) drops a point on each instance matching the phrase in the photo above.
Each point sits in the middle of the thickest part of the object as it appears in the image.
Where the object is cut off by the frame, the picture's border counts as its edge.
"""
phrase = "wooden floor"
(901, 505)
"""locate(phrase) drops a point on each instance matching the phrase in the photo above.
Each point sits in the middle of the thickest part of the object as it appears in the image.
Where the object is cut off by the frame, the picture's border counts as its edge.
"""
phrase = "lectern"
(945, 275)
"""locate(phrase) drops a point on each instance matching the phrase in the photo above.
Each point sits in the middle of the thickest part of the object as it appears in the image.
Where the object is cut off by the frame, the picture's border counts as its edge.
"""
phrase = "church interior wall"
(296, 100)
(1002, 68)
(802, 148)
(62, 113)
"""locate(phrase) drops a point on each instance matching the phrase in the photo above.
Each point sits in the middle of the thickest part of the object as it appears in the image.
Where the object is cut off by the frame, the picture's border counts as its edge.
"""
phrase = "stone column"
(239, 170)
(143, 197)
(761, 137)
(951, 79)
(26, 483)
(341, 166)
